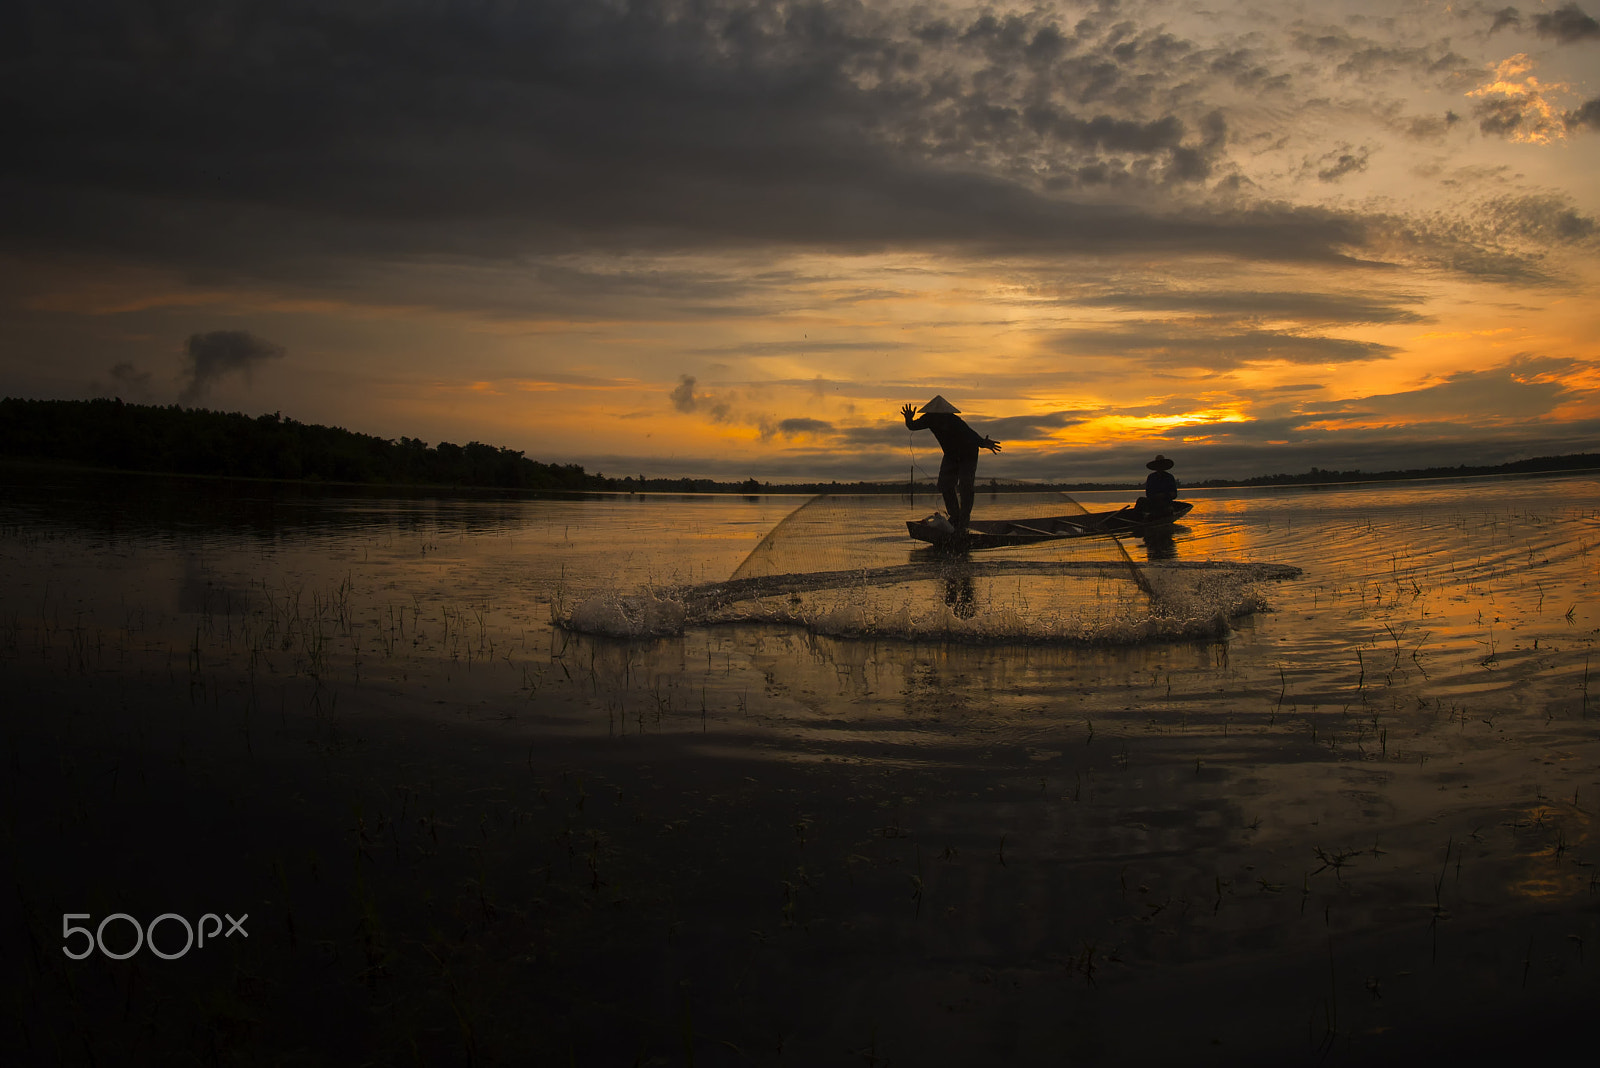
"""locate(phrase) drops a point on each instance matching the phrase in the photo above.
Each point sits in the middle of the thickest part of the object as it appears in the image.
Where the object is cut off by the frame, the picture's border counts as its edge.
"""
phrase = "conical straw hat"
(939, 404)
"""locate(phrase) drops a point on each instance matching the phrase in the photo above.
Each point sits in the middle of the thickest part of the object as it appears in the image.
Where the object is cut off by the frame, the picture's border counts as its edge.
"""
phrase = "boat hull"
(998, 533)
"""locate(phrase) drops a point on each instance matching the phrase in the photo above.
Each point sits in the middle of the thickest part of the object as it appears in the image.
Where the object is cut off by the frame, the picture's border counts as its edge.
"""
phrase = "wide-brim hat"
(1160, 463)
(939, 404)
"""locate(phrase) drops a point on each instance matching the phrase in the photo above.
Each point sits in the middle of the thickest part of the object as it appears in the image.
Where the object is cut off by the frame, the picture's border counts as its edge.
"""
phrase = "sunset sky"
(730, 238)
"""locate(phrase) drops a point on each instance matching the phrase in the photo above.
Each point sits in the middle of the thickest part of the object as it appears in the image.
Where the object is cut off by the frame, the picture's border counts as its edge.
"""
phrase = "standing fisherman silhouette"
(959, 468)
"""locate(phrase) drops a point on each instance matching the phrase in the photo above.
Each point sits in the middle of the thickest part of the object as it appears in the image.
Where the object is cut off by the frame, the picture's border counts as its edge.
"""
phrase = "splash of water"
(832, 567)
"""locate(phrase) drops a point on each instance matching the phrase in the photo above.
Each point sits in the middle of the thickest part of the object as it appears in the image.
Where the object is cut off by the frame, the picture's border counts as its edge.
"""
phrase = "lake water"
(616, 777)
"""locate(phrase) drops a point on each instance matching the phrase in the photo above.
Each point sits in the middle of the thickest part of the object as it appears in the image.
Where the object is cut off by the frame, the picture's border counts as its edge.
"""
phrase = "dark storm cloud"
(1245, 69)
(126, 381)
(1341, 164)
(682, 395)
(126, 374)
(1503, 239)
(578, 289)
(1508, 116)
(1586, 116)
(1506, 16)
(1430, 127)
(1294, 388)
(1313, 307)
(741, 404)
(1031, 427)
(598, 290)
(260, 139)
(214, 356)
(1102, 133)
(1566, 24)
(892, 433)
(797, 347)
(885, 435)
(1452, 247)
(1169, 345)
(1547, 220)
(794, 427)
(1365, 57)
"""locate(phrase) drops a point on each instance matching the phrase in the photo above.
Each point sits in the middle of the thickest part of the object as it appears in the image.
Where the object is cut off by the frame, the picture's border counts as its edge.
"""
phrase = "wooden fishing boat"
(995, 533)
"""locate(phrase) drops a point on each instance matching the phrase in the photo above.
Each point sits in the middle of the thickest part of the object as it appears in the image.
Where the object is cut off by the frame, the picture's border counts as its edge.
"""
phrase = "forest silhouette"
(196, 441)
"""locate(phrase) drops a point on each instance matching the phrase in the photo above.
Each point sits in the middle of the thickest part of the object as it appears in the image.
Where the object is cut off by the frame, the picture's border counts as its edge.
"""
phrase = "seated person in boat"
(1160, 489)
(959, 468)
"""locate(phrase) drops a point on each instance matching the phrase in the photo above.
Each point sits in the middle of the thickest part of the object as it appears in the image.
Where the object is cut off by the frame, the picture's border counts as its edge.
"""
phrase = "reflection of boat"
(994, 533)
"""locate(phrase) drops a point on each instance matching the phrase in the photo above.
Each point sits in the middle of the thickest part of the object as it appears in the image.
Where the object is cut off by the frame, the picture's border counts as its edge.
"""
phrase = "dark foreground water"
(710, 780)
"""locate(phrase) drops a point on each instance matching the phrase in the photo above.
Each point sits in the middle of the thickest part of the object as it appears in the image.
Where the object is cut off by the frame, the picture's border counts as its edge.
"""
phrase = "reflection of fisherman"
(961, 443)
(1160, 489)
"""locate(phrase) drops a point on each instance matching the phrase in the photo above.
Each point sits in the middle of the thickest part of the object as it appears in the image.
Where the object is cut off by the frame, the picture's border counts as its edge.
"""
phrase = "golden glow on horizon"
(1167, 422)
(815, 368)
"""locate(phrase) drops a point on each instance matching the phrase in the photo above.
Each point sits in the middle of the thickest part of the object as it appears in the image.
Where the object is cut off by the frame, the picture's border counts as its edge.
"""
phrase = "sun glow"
(1205, 417)
(1105, 429)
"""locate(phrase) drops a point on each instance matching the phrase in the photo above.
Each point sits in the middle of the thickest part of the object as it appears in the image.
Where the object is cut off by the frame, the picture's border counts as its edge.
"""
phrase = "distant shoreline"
(806, 489)
(89, 436)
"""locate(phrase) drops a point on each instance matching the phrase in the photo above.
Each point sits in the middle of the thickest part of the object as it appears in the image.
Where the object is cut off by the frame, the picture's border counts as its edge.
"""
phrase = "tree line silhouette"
(197, 441)
(1538, 464)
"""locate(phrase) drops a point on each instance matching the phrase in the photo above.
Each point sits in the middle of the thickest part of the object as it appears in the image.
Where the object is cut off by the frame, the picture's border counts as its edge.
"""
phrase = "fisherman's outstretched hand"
(909, 411)
(991, 444)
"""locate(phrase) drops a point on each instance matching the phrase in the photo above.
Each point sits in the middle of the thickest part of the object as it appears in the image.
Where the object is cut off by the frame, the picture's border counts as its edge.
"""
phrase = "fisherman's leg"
(952, 507)
(949, 471)
(968, 476)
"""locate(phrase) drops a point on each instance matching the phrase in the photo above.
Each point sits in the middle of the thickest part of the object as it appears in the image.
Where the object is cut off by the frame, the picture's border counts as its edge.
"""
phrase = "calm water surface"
(1461, 590)
(1370, 614)
(1274, 731)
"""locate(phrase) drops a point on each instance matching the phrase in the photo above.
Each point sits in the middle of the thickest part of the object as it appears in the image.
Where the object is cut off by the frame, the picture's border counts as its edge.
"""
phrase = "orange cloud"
(1514, 104)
